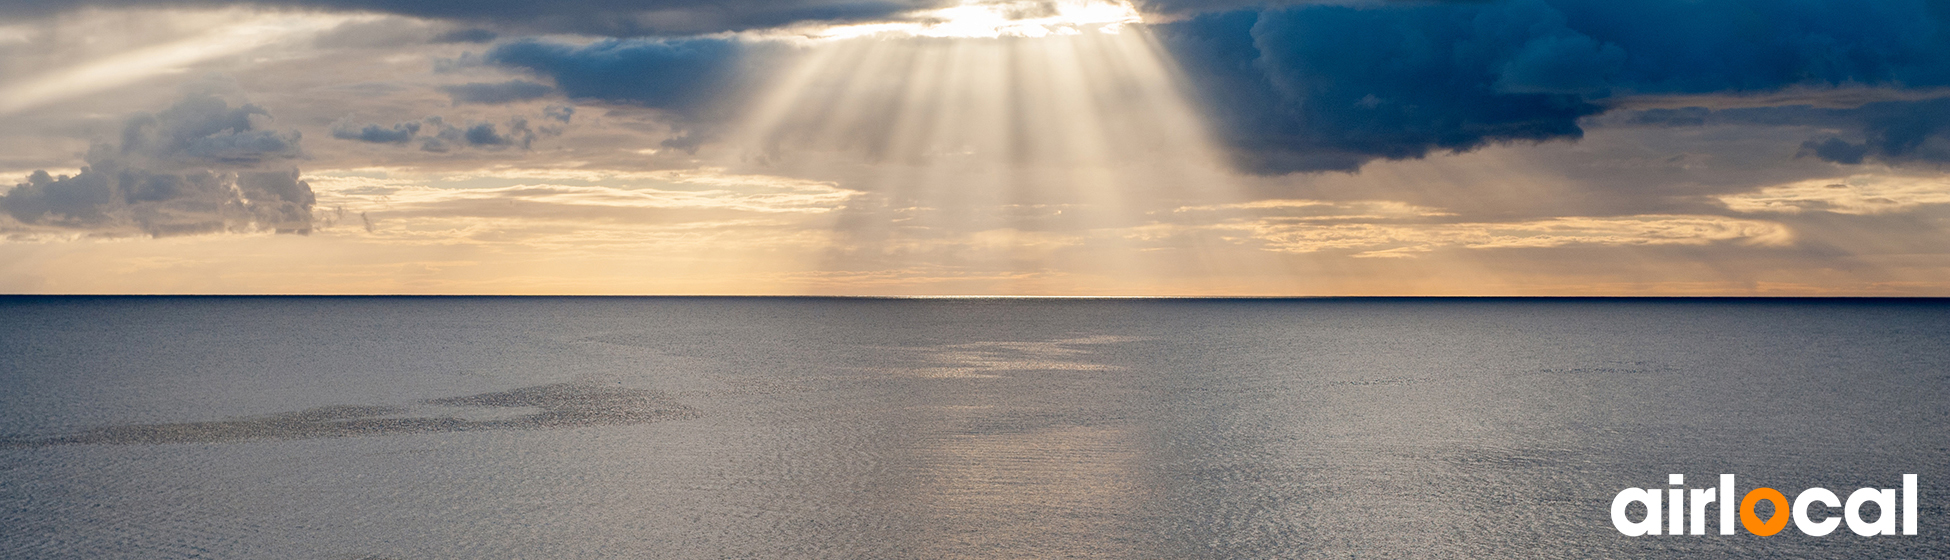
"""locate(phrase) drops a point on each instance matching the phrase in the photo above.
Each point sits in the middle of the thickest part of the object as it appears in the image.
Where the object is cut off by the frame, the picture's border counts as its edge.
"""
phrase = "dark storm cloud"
(199, 166)
(1836, 150)
(1330, 87)
(677, 74)
(595, 17)
(1684, 116)
(493, 93)
(1893, 132)
(691, 80)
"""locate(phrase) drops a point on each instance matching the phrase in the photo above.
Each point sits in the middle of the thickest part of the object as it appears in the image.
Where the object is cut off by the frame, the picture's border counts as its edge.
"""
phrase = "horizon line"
(999, 297)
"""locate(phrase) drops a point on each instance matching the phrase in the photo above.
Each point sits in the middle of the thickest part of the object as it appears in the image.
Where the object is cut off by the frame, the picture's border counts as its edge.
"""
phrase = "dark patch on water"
(1382, 381)
(1635, 368)
(561, 405)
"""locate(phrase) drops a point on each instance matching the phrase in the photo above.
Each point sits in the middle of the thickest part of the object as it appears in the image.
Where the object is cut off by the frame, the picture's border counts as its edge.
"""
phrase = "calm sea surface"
(343, 428)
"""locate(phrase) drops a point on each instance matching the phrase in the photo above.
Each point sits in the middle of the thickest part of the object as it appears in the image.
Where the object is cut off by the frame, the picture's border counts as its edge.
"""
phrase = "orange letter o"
(1775, 522)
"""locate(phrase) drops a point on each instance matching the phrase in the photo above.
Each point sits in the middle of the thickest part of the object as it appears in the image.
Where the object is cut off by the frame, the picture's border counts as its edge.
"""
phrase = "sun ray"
(229, 33)
(988, 146)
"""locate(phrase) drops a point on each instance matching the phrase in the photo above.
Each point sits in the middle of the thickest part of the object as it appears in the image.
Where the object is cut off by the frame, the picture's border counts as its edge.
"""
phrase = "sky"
(968, 147)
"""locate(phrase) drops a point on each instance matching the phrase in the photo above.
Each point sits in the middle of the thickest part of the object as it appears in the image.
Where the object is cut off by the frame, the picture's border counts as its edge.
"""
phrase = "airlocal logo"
(1699, 498)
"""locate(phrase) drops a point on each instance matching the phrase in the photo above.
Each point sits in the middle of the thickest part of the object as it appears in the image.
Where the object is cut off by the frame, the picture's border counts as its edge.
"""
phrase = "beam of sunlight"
(133, 66)
(986, 150)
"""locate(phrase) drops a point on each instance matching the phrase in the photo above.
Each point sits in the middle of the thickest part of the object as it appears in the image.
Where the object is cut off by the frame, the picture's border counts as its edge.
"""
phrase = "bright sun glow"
(1004, 18)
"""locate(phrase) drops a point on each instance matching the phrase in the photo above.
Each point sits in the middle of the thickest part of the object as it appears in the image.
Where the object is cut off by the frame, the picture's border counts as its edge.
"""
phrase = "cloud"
(589, 211)
(495, 93)
(591, 17)
(1858, 195)
(678, 74)
(202, 129)
(1318, 210)
(1331, 87)
(199, 166)
(1392, 229)
(377, 33)
(444, 137)
(1835, 150)
(692, 80)
(399, 133)
(470, 35)
(698, 190)
(481, 135)
(1382, 240)
(1892, 132)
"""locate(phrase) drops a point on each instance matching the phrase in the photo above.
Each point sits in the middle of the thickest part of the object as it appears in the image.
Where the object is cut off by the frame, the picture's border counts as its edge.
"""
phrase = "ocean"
(856, 428)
